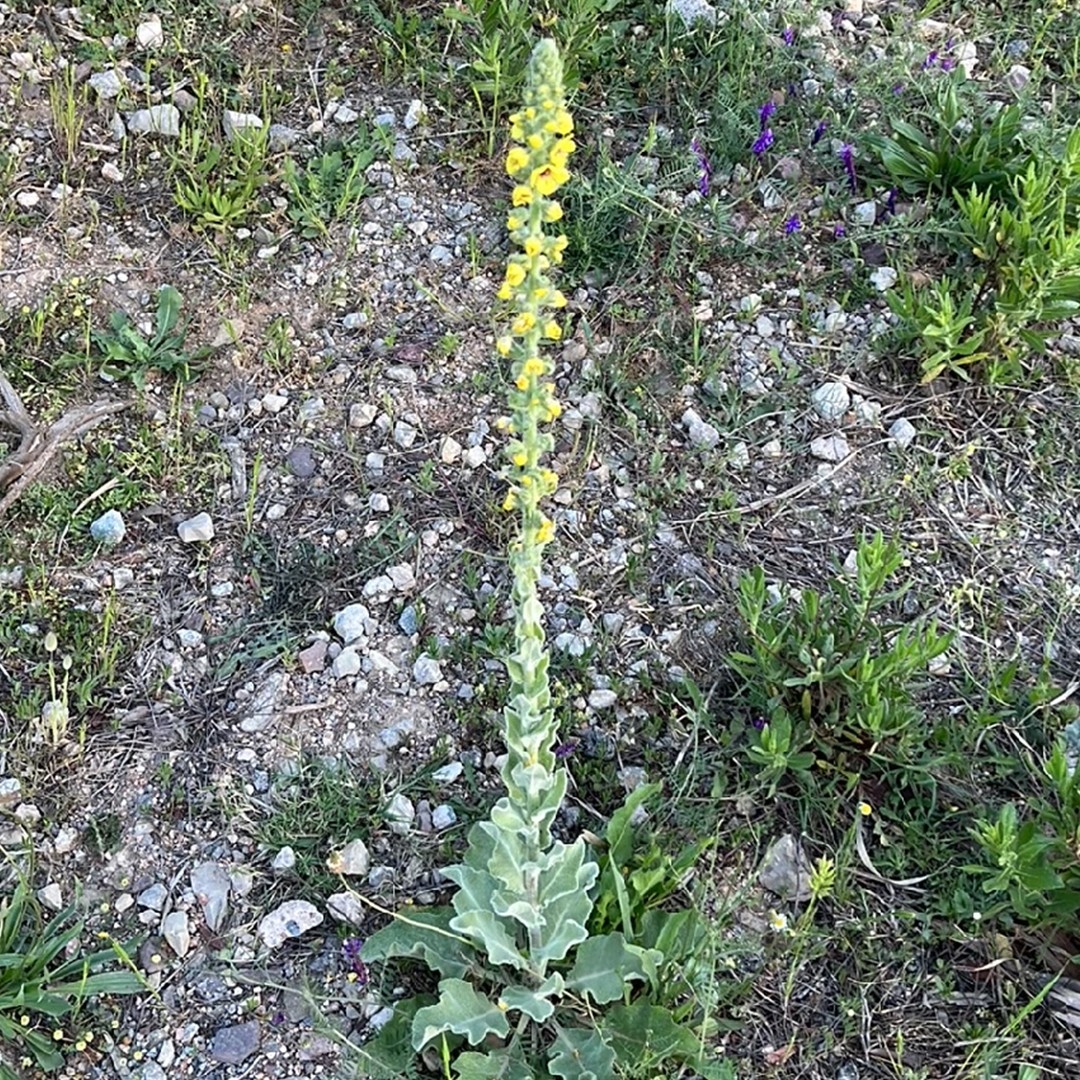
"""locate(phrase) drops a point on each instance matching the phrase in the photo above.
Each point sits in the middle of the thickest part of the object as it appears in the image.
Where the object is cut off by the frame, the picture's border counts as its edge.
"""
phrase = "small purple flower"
(762, 142)
(789, 35)
(819, 132)
(350, 953)
(564, 750)
(703, 165)
(792, 225)
(898, 89)
(765, 112)
(948, 64)
(890, 202)
(847, 156)
(839, 232)
(930, 61)
(758, 723)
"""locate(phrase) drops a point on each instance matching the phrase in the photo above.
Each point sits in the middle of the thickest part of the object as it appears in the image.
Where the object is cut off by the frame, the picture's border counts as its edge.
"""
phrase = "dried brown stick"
(36, 447)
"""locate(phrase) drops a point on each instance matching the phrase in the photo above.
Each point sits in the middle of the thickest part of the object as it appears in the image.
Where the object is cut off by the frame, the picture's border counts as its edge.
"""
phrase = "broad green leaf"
(619, 832)
(486, 932)
(534, 1003)
(168, 311)
(424, 934)
(106, 982)
(581, 1055)
(646, 1033)
(604, 964)
(463, 1011)
(497, 1065)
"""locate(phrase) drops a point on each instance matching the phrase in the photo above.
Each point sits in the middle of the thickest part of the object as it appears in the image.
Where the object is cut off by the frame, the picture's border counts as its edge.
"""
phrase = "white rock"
(290, 920)
(198, 529)
(51, 896)
(830, 448)
(233, 123)
(773, 449)
(865, 213)
(883, 278)
(347, 663)
(10, 793)
(739, 456)
(106, 84)
(702, 434)
(346, 114)
(868, 413)
(443, 816)
(150, 34)
(351, 623)
(448, 773)
(831, 401)
(404, 434)
(28, 199)
(284, 861)
(449, 450)
(902, 433)
(177, 932)
(602, 699)
(400, 814)
(66, 841)
(157, 120)
(345, 907)
(967, 57)
(352, 860)
(426, 671)
(1018, 77)
(362, 414)
(414, 115)
(274, 403)
(110, 172)
(475, 456)
(402, 576)
(379, 503)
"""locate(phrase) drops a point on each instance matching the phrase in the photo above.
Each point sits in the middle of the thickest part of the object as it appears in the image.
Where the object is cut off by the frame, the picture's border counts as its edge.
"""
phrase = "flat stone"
(156, 120)
(352, 860)
(831, 401)
(402, 576)
(448, 773)
(344, 907)
(414, 114)
(400, 814)
(311, 410)
(154, 897)
(702, 434)
(274, 403)
(234, 1045)
(475, 456)
(313, 658)
(346, 664)
(51, 896)
(350, 623)
(300, 461)
(235, 123)
(865, 213)
(884, 278)
(449, 451)
(260, 710)
(210, 883)
(198, 529)
(284, 861)
(426, 671)
(602, 699)
(785, 870)
(832, 448)
(150, 34)
(106, 84)
(289, 920)
(404, 434)
(345, 114)
(902, 433)
(10, 793)
(177, 932)
(443, 816)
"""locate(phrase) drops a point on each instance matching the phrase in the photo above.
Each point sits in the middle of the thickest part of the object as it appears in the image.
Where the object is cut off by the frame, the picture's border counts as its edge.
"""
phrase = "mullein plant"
(525, 990)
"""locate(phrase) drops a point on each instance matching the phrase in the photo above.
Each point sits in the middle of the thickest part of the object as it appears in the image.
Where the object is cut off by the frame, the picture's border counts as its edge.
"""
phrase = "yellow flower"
(521, 195)
(522, 382)
(553, 212)
(546, 532)
(562, 124)
(554, 410)
(548, 178)
(549, 479)
(520, 459)
(505, 292)
(534, 366)
(504, 345)
(517, 132)
(534, 245)
(515, 274)
(525, 321)
(510, 502)
(517, 160)
(865, 809)
(535, 141)
(553, 330)
(558, 300)
(513, 222)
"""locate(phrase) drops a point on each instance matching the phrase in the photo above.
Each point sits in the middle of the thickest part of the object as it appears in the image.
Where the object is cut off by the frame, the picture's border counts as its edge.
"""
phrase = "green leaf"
(389, 1055)
(497, 1065)
(168, 311)
(619, 832)
(646, 1033)
(604, 964)
(581, 1055)
(463, 1011)
(425, 935)
(534, 1003)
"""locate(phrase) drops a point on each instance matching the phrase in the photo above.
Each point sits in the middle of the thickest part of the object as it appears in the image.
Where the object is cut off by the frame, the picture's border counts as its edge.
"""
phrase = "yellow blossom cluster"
(542, 136)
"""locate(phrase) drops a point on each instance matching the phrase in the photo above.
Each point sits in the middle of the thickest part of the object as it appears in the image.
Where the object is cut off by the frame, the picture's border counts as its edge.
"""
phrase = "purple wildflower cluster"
(788, 35)
(765, 137)
(847, 157)
(704, 166)
(350, 954)
(942, 58)
(792, 225)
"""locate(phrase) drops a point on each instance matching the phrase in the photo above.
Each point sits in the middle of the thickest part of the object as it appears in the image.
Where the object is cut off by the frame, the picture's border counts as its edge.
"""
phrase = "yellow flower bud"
(553, 330)
(515, 273)
(558, 300)
(553, 212)
(504, 345)
(534, 366)
(510, 502)
(525, 321)
(505, 292)
(535, 141)
(546, 533)
(513, 222)
(520, 459)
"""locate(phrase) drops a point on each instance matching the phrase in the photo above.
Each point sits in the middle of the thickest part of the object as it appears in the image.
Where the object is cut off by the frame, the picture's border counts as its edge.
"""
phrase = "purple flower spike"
(847, 156)
(890, 202)
(792, 225)
(930, 61)
(703, 164)
(789, 35)
(762, 142)
(765, 112)
(819, 132)
(839, 232)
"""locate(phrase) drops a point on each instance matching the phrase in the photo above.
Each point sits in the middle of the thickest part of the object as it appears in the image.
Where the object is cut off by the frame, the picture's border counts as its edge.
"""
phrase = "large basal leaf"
(489, 934)
(641, 1033)
(463, 1011)
(498, 1065)
(581, 1055)
(423, 934)
(604, 964)
(534, 1003)
(168, 311)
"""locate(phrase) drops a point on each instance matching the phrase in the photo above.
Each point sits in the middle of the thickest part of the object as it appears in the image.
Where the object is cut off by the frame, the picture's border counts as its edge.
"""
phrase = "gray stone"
(234, 1045)
(785, 870)
(414, 114)
(602, 699)
(122, 577)
(402, 576)
(156, 120)
(346, 664)
(902, 433)
(10, 793)
(702, 434)
(443, 816)
(261, 709)
(346, 908)
(475, 456)
(289, 920)
(351, 623)
(404, 434)
(693, 11)
(51, 896)
(865, 213)
(109, 529)
(346, 114)
(883, 278)
(354, 320)
(441, 255)
(408, 620)
(300, 461)
(152, 1070)
(426, 671)
(210, 883)
(1018, 77)
(739, 456)
(282, 137)
(198, 529)
(400, 814)
(379, 503)
(274, 403)
(352, 860)
(831, 401)
(284, 861)
(150, 34)
(177, 932)
(448, 773)
(831, 448)
(310, 410)
(154, 897)
(106, 84)
(234, 123)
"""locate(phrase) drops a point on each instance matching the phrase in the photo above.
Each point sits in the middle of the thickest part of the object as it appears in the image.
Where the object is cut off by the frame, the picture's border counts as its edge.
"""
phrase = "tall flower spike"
(542, 134)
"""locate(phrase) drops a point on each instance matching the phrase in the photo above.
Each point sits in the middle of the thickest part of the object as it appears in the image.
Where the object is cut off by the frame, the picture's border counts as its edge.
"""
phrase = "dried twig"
(36, 447)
